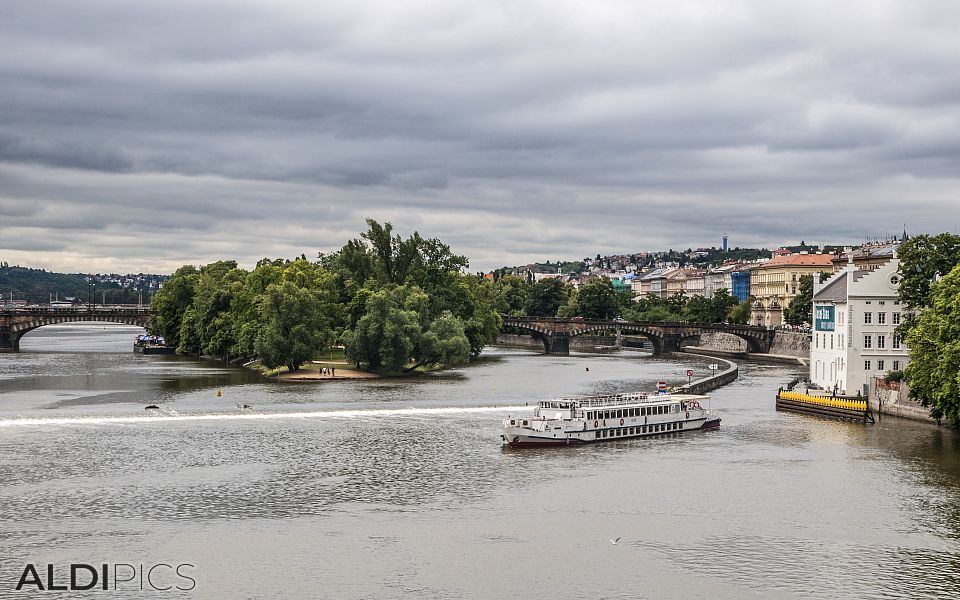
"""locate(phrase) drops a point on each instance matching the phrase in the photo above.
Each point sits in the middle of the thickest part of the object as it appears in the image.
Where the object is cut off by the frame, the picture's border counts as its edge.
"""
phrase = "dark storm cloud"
(513, 130)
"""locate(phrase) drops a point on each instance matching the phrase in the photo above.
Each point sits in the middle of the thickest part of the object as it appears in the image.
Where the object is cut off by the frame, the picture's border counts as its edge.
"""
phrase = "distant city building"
(855, 315)
(774, 284)
(868, 256)
(695, 282)
(740, 285)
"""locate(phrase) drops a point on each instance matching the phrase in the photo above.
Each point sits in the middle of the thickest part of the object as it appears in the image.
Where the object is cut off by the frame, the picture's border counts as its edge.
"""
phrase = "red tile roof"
(799, 260)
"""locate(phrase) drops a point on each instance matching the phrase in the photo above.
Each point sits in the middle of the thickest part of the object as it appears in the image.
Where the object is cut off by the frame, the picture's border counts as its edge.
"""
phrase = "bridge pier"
(8, 341)
(556, 344)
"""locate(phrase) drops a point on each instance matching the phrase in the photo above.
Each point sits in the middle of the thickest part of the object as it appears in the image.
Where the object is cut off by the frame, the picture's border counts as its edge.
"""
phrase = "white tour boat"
(602, 418)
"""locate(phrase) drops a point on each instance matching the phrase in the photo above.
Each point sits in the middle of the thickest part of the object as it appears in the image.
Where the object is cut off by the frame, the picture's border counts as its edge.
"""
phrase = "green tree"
(510, 293)
(923, 259)
(933, 372)
(295, 316)
(598, 300)
(800, 310)
(740, 314)
(444, 343)
(546, 297)
(171, 302)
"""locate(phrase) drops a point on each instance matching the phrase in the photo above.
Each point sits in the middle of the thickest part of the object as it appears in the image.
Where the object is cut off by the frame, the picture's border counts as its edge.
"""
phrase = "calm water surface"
(399, 489)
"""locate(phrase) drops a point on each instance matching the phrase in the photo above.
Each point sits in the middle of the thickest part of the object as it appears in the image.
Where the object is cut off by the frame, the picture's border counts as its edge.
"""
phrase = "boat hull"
(521, 438)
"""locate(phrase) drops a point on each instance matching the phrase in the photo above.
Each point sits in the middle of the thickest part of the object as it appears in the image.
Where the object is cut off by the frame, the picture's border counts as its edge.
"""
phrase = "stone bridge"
(555, 333)
(14, 323)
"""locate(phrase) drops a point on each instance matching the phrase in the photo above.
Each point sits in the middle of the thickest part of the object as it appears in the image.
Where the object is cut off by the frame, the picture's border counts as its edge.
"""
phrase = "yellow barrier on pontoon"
(825, 401)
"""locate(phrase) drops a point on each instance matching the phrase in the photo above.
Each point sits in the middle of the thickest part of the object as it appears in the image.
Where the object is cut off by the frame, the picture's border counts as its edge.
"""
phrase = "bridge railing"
(74, 310)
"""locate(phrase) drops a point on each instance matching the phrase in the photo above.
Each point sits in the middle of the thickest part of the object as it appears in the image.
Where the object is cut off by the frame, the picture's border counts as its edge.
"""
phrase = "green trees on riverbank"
(930, 288)
(396, 304)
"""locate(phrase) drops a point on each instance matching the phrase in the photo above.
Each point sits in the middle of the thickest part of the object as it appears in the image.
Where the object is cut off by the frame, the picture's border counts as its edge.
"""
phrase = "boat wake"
(250, 416)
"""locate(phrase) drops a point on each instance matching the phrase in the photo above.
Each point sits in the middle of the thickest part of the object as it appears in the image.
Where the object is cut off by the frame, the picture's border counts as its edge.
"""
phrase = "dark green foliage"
(598, 300)
(397, 304)
(546, 297)
(800, 310)
(740, 314)
(170, 305)
(715, 309)
(923, 259)
(933, 372)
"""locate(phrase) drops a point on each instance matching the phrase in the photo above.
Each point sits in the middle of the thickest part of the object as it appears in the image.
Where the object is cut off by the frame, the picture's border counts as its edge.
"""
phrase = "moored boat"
(602, 418)
(152, 344)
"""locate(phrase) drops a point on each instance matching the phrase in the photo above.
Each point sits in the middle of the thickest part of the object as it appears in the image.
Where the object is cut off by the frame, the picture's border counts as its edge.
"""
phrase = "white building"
(855, 314)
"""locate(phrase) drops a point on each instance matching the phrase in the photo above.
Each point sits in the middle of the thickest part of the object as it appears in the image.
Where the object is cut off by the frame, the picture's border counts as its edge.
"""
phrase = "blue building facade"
(741, 285)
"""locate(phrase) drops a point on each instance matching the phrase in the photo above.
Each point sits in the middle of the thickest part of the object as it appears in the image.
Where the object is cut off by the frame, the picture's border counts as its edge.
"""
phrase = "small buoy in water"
(219, 394)
(152, 407)
(588, 368)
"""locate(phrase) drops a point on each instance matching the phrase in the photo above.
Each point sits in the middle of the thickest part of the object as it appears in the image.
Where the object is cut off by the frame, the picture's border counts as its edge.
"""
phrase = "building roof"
(798, 260)
(835, 290)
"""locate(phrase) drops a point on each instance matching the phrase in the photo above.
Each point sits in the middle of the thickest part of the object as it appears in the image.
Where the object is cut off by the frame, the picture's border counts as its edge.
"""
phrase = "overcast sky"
(141, 136)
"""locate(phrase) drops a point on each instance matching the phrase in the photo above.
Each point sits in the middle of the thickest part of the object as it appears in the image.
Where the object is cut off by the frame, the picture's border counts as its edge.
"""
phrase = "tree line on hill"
(598, 299)
(38, 286)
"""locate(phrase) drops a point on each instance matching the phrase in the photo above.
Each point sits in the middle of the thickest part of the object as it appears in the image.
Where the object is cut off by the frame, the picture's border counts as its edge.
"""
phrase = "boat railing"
(609, 400)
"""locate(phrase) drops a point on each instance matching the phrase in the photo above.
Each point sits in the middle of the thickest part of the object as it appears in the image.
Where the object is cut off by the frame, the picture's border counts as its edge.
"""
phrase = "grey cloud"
(515, 130)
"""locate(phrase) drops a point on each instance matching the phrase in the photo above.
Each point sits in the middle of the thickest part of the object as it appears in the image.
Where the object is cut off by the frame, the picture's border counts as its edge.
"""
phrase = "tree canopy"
(933, 372)
(923, 259)
(396, 303)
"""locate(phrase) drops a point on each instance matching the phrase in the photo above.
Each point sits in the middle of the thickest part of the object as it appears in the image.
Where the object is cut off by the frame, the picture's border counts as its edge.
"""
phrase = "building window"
(868, 341)
(831, 342)
(880, 365)
(881, 318)
(896, 365)
(866, 365)
(881, 341)
(896, 342)
(867, 318)
(896, 318)
(868, 302)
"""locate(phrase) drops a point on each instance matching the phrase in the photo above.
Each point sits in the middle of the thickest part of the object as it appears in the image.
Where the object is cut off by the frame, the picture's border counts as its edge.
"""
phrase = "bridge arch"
(556, 333)
(15, 324)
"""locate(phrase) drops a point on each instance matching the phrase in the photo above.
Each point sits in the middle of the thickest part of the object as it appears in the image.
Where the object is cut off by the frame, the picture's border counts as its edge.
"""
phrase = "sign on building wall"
(824, 318)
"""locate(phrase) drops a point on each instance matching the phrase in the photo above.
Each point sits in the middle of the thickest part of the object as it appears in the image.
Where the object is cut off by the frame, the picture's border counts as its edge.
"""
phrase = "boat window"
(524, 423)
(643, 411)
(619, 414)
(644, 430)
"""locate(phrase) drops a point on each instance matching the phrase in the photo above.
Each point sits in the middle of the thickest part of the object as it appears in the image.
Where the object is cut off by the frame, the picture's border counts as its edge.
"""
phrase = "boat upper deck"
(617, 400)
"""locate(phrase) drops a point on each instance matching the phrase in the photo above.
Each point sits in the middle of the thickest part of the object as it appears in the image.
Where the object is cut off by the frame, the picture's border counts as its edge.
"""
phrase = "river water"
(400, 489)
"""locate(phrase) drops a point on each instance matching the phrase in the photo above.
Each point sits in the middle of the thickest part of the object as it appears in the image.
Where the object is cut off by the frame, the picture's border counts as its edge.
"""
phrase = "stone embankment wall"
(521, 341)
(729, 373)
(894, 399)
(791, 343)
(785, 343)
(580, 341)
